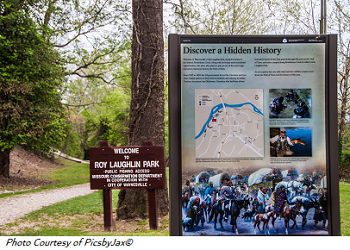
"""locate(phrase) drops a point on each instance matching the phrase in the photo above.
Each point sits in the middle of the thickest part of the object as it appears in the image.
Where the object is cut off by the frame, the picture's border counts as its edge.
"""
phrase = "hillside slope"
(27, 171)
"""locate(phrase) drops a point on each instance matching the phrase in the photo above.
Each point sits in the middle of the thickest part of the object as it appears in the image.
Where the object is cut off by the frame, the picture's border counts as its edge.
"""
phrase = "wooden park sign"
(134, 167)
(127, 167)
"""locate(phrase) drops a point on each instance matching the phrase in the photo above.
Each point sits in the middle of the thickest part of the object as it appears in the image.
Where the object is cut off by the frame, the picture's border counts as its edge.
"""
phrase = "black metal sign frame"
(176, 119)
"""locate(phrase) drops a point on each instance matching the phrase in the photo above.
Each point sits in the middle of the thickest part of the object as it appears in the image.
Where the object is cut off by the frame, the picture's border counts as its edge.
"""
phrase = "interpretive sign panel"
(252, 121)
(127, 167)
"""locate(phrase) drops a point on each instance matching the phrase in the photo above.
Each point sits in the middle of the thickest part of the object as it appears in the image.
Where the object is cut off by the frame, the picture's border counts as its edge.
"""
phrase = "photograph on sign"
(253, 139)
(290, 103)
(291, 142)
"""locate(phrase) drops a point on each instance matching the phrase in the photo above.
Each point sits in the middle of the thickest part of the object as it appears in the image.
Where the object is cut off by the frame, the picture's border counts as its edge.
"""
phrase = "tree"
(221, 17)
(339, 21)
(88, 34)
(93, 38)
(147, 101)
(295, 16)
(30, 83)
(101, 110)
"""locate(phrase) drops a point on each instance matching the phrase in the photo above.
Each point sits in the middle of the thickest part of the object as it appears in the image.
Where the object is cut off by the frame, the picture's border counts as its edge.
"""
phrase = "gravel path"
(15, 207)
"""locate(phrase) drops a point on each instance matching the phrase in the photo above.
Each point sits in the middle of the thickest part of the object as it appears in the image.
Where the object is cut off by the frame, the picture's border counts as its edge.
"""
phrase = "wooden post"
(107, 202)
(152, 209)
(108, 209)
(152, 202)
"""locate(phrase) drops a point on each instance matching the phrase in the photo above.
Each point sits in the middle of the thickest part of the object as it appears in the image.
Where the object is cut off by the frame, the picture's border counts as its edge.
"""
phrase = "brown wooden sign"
(141, 167)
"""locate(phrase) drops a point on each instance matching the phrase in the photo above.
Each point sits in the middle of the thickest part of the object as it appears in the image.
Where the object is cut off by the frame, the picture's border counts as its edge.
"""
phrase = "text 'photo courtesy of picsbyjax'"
(67, 242)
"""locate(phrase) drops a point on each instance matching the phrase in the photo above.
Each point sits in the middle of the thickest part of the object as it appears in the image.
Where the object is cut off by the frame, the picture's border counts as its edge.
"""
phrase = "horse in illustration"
(264, 218)
(320, 215)
(218, 212)
(307, 205)
(235, 210)
(289, 213)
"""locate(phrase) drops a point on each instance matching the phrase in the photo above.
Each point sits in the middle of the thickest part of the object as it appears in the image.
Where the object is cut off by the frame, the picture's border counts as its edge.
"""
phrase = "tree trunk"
(147, 103)
(5, 162)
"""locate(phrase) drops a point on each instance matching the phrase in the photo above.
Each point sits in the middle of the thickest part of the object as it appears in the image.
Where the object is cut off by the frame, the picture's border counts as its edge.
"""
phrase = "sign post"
(108, 209)
(134, 167)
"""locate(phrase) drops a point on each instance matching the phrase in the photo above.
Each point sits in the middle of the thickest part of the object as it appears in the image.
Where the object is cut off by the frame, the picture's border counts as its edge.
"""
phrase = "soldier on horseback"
(227, 196)
(209, 192)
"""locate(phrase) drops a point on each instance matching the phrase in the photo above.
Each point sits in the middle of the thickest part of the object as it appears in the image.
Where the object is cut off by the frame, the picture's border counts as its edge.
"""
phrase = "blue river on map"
(220, 106)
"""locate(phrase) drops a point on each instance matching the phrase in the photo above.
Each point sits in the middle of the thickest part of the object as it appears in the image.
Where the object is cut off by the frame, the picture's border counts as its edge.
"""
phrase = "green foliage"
(30, 78)
(93, 40)
(99, 111)
(71, 144)
(108, 121)
(344, 147)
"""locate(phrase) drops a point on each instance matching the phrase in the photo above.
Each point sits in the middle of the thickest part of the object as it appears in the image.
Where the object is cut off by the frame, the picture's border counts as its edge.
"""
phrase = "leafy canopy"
(30, 81)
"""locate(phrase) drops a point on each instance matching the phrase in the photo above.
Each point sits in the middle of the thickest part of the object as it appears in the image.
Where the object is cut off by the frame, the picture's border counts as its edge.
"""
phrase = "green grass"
(73, 174)
(52, 220)
(80, 213)
(344, 193)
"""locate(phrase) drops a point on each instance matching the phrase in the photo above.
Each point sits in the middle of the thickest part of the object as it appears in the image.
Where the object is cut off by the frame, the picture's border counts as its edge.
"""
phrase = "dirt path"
(13, 208)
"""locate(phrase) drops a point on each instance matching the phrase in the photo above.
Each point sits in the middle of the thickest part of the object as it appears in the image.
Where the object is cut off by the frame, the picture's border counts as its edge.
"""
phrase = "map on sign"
(229, 123)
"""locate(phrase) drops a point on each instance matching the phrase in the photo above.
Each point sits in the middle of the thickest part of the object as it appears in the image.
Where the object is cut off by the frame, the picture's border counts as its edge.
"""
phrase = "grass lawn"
(80, 216)
(344, 193)
(70, 174)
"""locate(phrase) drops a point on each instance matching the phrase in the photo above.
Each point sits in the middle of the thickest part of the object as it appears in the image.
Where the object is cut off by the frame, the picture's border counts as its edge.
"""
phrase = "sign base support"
(152, 209)
(108, 209)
